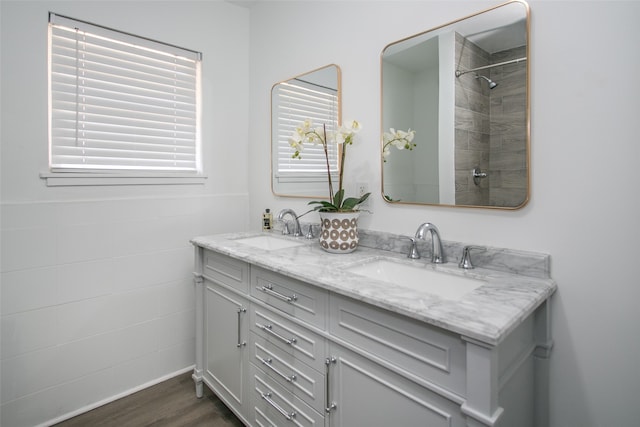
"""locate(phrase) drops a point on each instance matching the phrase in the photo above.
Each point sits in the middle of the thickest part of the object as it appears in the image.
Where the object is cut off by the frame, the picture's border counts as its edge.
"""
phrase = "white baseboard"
(113, 398)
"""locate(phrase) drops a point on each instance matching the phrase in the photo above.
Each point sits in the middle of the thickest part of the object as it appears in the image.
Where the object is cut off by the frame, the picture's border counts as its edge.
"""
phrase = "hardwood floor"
(172, 403)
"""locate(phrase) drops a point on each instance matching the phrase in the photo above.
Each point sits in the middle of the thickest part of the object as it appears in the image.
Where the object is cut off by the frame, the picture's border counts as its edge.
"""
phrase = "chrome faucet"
(437, 254)
(285, 229)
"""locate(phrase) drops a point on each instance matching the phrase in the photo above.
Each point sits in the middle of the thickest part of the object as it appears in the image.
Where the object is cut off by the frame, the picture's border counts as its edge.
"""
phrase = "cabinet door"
(226, 332)
(366, 394)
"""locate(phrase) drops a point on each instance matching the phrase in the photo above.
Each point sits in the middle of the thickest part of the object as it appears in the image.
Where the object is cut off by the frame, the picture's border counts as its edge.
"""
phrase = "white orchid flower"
(346, 133)
(296, 142)
(398, 138)
(386, 151)
(306, 133)
(388, 136)
(352, 126)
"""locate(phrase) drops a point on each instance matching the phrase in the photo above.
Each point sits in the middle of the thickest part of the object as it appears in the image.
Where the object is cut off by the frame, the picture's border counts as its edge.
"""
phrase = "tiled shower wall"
(508, 166)
(472, 125)
(489, 127)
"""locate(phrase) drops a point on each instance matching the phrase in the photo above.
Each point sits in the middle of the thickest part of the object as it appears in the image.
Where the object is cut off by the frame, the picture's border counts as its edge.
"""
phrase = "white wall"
(97, 289)
(585, 149)
(398, 185)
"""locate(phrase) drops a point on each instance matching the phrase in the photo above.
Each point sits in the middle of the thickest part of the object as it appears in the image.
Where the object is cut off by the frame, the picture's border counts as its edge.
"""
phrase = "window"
(295, 101)
(119, 103)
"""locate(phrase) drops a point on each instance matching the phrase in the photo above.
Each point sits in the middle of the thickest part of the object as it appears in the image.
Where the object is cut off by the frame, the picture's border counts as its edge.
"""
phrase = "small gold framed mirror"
(314, 95)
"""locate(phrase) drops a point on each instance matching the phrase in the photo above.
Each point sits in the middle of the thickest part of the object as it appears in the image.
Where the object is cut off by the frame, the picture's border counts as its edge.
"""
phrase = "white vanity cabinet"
(223, 328)
(279, 351)
(419, 374)
(396, 348)
(288, 350)
(364, 393)
(226, 355)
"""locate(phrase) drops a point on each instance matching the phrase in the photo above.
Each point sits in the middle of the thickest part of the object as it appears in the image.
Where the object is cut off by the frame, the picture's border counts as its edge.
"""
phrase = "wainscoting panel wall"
(97, 298)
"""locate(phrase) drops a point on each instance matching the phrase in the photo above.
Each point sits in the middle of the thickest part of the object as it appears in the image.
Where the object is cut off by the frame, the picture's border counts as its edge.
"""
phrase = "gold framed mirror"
(463, 87)
(314, 95)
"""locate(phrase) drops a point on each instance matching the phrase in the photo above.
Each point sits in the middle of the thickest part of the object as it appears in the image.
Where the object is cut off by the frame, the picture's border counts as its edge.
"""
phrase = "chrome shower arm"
(513, 61)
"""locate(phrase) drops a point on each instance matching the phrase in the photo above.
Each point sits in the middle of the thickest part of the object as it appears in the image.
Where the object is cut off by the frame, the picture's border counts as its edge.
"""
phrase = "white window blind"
(118, 102)
(297, 101)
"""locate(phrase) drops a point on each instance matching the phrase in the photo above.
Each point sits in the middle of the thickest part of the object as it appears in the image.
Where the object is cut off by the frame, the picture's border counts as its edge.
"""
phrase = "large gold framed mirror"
(463, 87)
(314, 95)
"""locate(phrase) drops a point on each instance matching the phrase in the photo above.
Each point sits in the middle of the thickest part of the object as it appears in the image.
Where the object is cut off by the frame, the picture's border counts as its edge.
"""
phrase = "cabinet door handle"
(330, 405)
(267, 397)
(268, 328)
(267, 363)
(240, 342)
(268, 288)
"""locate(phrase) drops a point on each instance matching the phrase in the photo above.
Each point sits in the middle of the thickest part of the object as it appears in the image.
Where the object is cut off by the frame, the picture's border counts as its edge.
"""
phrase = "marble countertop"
(487, 314)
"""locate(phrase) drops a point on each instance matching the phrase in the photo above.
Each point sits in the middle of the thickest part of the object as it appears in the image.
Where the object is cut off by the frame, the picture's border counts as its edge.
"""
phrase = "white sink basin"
(417, 278)
(268, 243)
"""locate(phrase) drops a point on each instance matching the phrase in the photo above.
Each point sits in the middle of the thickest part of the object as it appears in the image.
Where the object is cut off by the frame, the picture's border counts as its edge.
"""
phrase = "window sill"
(70, 179)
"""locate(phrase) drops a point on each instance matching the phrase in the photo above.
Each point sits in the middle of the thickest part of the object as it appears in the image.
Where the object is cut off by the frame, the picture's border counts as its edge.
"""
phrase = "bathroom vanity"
(287, 334)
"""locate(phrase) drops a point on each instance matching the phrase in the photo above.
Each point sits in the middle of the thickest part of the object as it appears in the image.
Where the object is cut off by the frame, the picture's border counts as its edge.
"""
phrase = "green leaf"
(351, 202)
(364, 197)
(324, 206)
(338, 204)
(337, 199)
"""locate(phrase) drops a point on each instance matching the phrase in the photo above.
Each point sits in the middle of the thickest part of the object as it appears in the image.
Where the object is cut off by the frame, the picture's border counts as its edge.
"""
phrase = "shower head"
(491, 83)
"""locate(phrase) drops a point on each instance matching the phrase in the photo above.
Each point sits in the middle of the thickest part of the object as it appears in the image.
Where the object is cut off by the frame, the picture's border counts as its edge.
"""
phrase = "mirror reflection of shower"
(460, 122)
(488, 124)
(491, 83)
(513, 61)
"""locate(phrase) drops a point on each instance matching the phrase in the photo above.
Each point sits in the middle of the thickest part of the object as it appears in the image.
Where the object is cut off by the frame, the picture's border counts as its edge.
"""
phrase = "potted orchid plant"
(345, 136)
(338, 214)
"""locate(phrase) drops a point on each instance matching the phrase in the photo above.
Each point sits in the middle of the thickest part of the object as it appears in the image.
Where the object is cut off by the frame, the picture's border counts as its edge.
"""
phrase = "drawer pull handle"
(267, 363)
(267, 397)
(330, 405)
(268, 328)
(240, 342)
(268, 288)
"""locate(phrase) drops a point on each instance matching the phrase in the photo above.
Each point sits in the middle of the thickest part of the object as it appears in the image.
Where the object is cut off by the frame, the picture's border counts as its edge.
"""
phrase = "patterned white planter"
(339, 231)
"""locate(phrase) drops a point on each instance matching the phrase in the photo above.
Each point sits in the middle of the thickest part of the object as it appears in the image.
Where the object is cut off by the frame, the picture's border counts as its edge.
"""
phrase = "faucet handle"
(465, 262)
(309, 234)
(413, 251)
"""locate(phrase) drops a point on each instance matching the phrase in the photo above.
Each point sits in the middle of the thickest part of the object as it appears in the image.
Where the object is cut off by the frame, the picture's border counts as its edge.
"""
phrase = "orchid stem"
(343, 157)
(326, 156)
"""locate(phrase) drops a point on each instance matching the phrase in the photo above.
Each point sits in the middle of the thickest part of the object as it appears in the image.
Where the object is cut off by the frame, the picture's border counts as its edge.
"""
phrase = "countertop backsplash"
(531, 264)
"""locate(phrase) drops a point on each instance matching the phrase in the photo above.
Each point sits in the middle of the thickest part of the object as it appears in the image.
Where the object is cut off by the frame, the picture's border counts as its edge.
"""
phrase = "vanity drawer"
(292, 374)
(274, 406)
(421, 350)
(292, 339)
(226, 270)
(290, 296)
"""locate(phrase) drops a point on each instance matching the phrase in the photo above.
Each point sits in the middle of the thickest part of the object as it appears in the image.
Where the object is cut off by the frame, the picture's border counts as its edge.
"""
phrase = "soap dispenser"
(267, 219)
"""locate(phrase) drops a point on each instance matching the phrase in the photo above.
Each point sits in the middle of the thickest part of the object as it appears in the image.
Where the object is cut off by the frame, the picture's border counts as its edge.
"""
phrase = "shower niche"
(464, 88)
